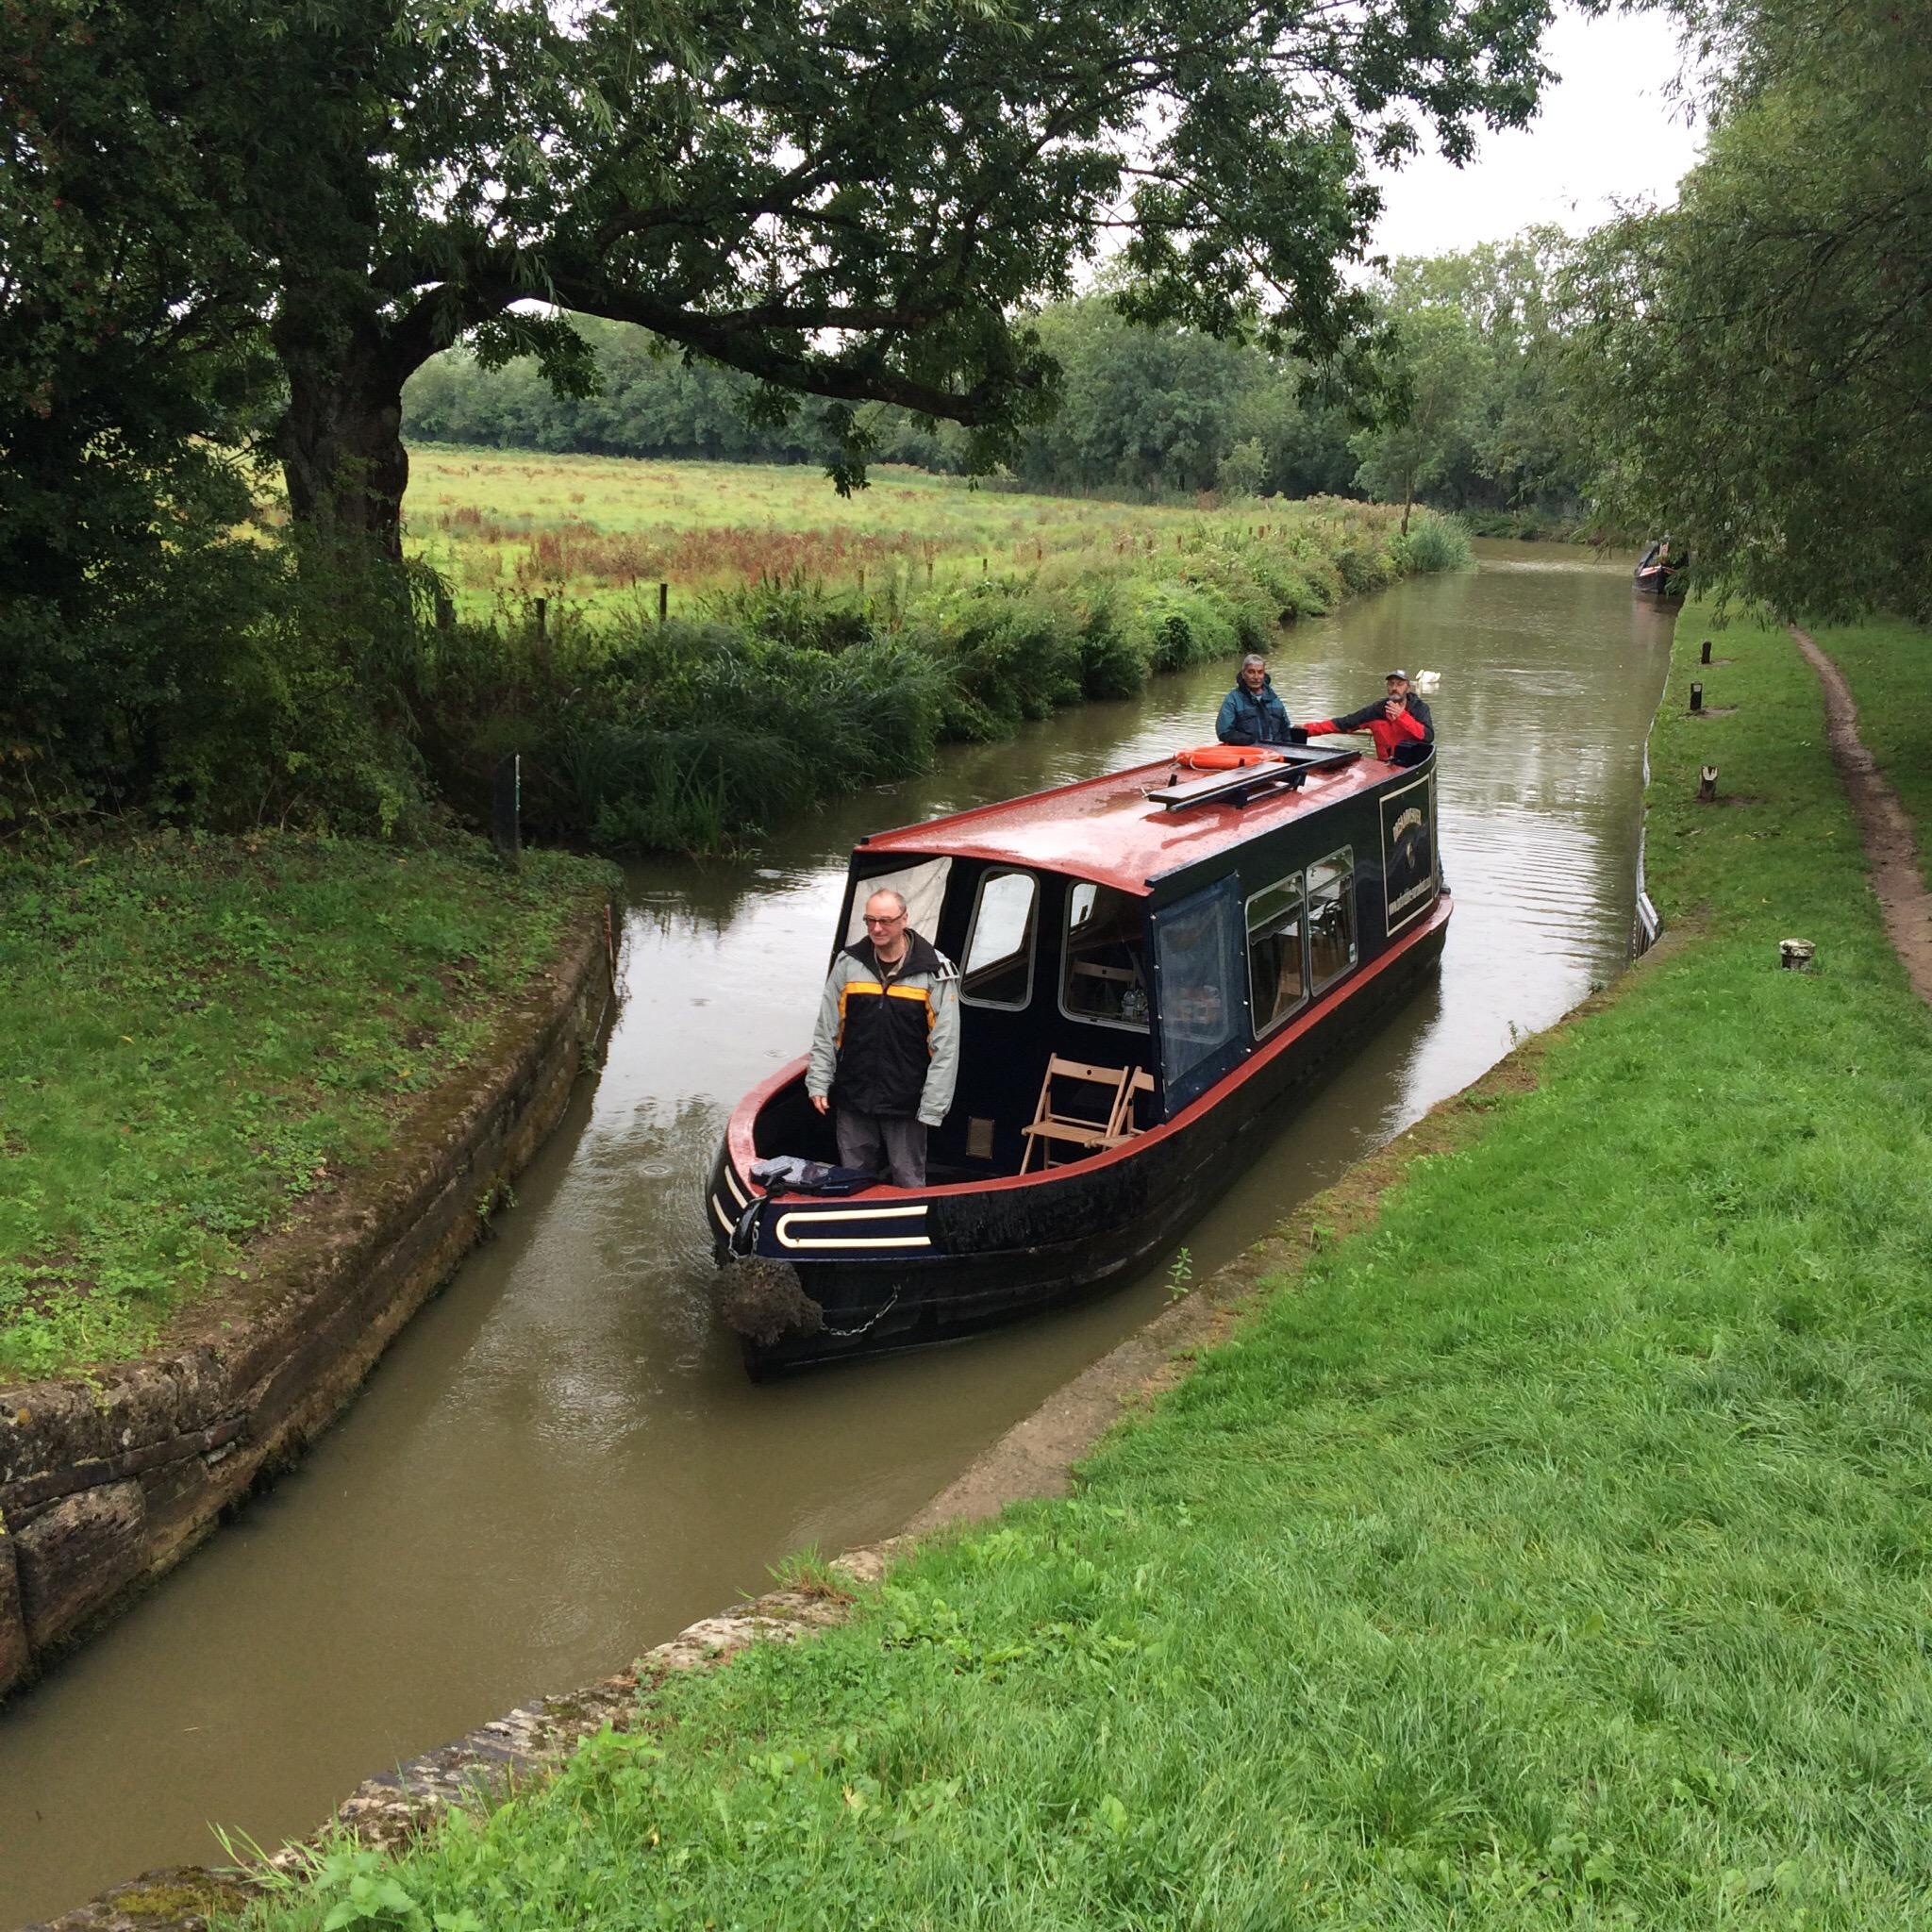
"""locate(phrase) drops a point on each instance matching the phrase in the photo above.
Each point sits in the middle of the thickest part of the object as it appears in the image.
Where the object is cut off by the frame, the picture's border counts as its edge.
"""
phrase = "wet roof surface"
(1104, 829)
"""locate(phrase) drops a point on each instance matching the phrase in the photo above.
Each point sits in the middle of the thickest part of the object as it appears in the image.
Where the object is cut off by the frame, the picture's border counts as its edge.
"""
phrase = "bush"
(1434, 542)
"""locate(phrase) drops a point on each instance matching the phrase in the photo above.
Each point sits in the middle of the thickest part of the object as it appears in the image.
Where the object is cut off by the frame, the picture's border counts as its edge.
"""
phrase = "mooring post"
(1704, 656)
(1707, 785)
(1795, 956)
(506, 809)
(1697, 697)
(663, 602)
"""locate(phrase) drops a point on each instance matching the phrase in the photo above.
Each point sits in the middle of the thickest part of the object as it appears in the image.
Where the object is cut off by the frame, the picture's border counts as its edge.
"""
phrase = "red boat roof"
(1105, 829)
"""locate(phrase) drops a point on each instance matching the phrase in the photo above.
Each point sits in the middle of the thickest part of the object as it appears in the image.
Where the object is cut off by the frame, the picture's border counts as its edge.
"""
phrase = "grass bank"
(199, 1036)
(1887, 666)
(815, 660)
(1552, 1553)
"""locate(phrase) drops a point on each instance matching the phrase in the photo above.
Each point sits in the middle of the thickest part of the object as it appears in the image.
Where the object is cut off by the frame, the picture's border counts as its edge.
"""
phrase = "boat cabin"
(1126, 943)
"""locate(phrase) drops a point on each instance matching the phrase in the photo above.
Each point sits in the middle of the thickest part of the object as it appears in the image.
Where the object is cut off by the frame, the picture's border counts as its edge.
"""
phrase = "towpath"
(1889, 841)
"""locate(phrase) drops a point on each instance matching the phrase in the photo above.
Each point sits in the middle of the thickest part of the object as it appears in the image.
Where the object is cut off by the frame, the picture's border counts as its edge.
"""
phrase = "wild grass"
(601, 530)
(1889, 668)
(810, 661)
(1554, 1553)
(197, 1037)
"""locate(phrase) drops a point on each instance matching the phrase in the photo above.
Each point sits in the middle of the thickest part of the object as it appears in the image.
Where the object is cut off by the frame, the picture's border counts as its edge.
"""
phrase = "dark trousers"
(882, 1143)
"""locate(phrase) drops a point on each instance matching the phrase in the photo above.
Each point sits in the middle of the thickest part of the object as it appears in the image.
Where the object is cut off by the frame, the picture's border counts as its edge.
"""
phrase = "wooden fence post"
(663, 602)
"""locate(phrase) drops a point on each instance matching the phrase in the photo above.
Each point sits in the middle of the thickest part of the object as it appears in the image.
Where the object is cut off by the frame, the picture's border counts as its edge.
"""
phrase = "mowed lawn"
(1555, 1551)
(604, 531)
(200, 1037)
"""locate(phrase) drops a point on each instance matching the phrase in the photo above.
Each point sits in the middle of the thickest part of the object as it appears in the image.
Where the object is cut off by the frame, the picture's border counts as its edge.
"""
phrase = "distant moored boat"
(1660, 571)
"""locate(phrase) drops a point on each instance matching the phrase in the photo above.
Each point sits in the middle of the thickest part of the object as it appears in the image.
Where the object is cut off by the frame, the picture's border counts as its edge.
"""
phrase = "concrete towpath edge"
(108, 1478)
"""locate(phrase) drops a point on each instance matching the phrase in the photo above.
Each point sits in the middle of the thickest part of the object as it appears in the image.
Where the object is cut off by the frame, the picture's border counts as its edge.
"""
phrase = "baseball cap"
(1403, 674)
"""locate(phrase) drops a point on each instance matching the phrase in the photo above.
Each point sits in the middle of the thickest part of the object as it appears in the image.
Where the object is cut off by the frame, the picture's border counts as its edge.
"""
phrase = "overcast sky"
(1605, 134)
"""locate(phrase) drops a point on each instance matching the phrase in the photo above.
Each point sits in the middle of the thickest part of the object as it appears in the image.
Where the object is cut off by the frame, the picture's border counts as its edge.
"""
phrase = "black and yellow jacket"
(888, 1045)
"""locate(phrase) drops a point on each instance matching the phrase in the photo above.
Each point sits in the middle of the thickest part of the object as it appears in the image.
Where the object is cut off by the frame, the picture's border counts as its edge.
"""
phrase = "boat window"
(999, 950)
(1276, 985)
(922, 886)
(1331, 918)
(1105, 975)
(1197, 953)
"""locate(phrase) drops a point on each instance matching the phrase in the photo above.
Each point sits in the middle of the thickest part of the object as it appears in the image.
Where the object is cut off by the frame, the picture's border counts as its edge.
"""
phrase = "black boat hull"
(889, 1270)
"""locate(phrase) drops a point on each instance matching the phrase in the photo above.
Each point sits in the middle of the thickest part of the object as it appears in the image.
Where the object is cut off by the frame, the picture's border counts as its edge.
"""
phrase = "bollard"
(1795, 955)
(663, 602)
(1704, 656)
(1697, 697)
(1707, 785)
(506, 809)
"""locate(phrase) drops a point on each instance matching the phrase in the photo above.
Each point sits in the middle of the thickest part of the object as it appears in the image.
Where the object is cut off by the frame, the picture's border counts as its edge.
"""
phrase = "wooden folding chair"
(1087, 1119)
(1125, 1127)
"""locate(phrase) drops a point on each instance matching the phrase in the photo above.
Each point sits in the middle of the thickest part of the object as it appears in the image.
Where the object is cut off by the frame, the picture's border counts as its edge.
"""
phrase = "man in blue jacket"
(1251, 713)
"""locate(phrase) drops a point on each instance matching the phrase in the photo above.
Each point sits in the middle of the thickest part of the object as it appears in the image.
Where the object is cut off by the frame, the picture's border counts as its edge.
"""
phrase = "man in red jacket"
(1400, 723)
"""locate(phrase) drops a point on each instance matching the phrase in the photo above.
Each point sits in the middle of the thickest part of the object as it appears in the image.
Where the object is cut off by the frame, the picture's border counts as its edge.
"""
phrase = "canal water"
(561, 1462)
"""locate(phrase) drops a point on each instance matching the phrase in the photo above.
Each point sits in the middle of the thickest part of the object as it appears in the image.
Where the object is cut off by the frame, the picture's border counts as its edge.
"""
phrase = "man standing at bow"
(886, 1050)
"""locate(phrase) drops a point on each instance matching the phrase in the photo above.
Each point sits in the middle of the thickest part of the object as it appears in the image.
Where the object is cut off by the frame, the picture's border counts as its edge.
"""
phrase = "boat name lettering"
(1419, 890)
(1406, 822)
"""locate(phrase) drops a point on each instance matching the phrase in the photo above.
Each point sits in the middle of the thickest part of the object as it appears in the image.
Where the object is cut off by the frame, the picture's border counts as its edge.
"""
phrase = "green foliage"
(878, 228)
(1485, 418)
(699, 737)
(1439, 544)
(1754, 359)
(198, 1036)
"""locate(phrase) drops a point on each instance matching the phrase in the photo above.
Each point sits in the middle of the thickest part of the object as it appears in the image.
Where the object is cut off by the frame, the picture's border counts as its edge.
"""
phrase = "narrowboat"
(1660, 571)
(1150, 963)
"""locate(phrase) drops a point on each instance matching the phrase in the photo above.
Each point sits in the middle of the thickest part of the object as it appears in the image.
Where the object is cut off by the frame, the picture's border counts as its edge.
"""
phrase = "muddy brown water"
(561, 1461)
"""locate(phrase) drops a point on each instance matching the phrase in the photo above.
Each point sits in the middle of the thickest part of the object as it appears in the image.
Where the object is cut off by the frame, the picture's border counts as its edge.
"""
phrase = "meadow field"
(603, 532)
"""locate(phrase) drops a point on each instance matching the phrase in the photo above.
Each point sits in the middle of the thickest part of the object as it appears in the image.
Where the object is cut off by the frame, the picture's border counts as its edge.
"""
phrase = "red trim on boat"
(737, 1134)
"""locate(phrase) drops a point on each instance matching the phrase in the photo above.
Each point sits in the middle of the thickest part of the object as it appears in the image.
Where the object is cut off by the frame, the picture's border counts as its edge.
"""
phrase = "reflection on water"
(561, 1462)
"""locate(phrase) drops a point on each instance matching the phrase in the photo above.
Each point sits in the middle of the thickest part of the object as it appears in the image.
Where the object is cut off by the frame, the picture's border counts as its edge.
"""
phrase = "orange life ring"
(1227, 757)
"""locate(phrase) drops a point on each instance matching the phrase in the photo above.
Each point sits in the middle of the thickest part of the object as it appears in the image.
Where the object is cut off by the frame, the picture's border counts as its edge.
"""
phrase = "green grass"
(603, 532)
(1888, 667)
(799, 670)
(197, 1037)
(1554, 1553)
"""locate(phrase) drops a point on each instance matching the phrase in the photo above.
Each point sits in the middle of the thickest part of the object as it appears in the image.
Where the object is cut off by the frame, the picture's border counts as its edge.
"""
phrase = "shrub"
(1434, 542)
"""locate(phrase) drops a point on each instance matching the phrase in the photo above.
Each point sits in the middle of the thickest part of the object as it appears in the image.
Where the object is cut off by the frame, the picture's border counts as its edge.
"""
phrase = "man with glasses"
(886, 1050)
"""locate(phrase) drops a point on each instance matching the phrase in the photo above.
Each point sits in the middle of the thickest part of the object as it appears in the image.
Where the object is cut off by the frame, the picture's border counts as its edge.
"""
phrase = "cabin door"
(1200, 990)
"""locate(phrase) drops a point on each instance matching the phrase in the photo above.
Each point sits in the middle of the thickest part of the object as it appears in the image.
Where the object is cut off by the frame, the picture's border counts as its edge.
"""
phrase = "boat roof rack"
(1251, 781)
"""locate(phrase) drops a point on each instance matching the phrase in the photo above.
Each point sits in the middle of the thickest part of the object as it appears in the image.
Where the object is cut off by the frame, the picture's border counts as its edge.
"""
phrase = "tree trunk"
(342, 447)
(1407, 505)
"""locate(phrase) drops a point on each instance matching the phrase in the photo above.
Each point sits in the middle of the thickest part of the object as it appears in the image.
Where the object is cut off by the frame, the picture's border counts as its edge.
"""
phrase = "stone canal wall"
(108, 1479)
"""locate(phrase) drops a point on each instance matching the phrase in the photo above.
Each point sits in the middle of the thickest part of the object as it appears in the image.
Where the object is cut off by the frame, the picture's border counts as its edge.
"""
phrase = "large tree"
(853, 199)
(1758, 361)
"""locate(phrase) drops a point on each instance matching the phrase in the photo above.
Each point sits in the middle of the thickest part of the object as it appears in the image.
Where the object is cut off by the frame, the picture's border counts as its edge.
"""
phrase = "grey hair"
(887, 892)
(1254, 657)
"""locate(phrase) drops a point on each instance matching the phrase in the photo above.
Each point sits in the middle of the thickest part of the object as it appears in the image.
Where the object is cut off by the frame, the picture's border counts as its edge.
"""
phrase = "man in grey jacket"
(885, 1053)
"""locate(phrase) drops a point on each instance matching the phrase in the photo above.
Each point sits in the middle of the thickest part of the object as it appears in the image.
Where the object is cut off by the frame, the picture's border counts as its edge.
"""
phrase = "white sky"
(1605, 134)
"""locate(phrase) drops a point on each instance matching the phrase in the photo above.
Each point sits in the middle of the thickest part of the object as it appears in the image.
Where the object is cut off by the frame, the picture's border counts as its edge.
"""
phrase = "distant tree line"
(1472, 413)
